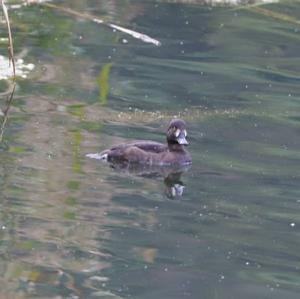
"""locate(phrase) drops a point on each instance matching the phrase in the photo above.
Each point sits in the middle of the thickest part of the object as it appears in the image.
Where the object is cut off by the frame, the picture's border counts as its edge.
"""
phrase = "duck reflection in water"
(151, 159)
(171, 175)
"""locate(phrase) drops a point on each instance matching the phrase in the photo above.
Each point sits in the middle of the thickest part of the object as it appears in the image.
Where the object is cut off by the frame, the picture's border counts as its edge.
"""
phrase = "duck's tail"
(99, 156)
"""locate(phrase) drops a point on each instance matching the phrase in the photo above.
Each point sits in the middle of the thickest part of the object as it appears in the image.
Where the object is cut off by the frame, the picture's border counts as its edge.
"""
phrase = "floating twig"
(274, 14)
(10, 40)
(143, 37)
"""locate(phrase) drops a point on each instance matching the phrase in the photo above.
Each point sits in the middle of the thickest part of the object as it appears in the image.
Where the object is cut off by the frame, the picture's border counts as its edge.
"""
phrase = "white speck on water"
(22, 69)
(247, 263)
(15, 6)
(3, 227)
(99, 278)
(29, 66)
(98, 21)
(293, 224)
(124, 41)
(166, 269)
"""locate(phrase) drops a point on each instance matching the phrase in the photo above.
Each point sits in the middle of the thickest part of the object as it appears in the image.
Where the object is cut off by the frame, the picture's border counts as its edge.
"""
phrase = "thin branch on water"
(275, 15)
(12, 62)
(10, 40)
(259, 8)
(143, 37)
(5, 112)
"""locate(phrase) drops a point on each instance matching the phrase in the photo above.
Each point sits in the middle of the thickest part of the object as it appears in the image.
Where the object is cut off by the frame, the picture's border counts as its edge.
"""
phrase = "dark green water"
(72, 227)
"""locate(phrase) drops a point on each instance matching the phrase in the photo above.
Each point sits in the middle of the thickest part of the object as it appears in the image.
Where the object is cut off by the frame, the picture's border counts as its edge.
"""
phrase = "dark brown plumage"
(154, 153)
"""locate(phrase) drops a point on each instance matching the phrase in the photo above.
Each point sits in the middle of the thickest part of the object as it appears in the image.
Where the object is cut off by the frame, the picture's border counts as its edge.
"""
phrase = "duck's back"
(135, 151)
(148, 146)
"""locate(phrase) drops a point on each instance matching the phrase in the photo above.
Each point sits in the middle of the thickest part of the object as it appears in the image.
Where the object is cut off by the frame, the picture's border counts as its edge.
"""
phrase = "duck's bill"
(182, 140)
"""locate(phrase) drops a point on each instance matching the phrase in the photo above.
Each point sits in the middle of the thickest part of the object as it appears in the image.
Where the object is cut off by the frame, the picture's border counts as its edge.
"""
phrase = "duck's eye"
(177, 133)
(185, 133)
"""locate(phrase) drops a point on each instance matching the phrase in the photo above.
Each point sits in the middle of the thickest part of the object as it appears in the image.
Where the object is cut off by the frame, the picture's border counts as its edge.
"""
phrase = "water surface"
(73, 227)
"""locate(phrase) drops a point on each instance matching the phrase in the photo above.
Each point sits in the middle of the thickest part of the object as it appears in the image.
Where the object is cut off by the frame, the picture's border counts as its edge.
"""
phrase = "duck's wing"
(150, 146)
(117, 152)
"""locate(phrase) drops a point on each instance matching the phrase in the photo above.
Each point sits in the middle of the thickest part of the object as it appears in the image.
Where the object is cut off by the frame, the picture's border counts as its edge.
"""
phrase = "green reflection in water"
(76, 144)
(103, 82)
(77, 110)
(17, 149)
(73, 185)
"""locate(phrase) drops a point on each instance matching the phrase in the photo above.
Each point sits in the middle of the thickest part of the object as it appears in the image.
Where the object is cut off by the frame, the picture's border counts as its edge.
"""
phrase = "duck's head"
(176, 133)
